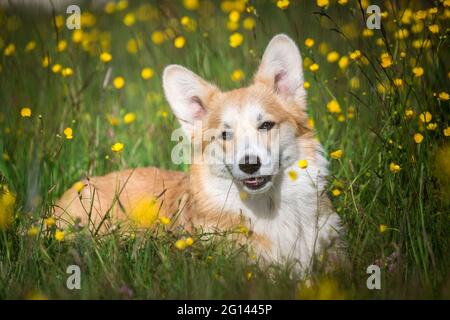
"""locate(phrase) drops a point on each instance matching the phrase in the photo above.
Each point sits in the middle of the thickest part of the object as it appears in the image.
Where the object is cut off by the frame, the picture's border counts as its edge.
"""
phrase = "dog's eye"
(267, 125)
(227, 135)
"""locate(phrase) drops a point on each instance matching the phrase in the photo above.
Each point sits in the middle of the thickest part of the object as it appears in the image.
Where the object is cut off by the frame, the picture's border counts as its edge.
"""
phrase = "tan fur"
(116, 193)
(108, 200)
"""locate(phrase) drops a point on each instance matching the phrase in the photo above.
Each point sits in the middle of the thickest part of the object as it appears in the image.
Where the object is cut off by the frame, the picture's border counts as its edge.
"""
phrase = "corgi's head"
(248, 134)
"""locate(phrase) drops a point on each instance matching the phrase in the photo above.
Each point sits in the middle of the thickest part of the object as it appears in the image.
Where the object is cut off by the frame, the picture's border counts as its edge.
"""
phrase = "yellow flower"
(132, 46)
(309, 42)
(303, 164)
(432, 126)
(180, 244)
(343, 62)
(130, 117)
(164, 220)
(162, 113)
(189, 241)
(325, 289)
(249, 23)
(386, 60)
(117, 147)
(334, 107)
(237, 75)
(119, 82)
(179, 42)
(105, 57)
(7, 203)
(434, 28)
(234, 16)
(56, 68)
(62, 45)
(33, 231)
(398, 82)
(401, 34)
(293, 175)
(355, 55)
(66, 72)
(417, 28)
(77, 36)
(25, 112)
(129, 19)
(244, 230)
(46, 61)
(336, 154)
(78, 186)
(342, 2)
(419, 43)
(420, 15)
(333, 56)
(425, 117)
(367, 33)
(322, 3)
(9, 50)
(243, 195)
(110, 7)
(59, 235)
(433, 10)
(283, 4)
(395, 168)
(382, 228)
(50, 221)
(336, 192)
(30, 46)
(145, 213)
(409, 113)
(418, 138)
(418, 72)
(232, 26)
(314, 67)
(185, 21)
(249, 275)
(306, 85)
(191, 4)
(35, 295)
(147, 73)
(112, 120)
(236, 39)
(447, 132)
(444, 96)
(157, 37)
(68, 132)
(122, 5)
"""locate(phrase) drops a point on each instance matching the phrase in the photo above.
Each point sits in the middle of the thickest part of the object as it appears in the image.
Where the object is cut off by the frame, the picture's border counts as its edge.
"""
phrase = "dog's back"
(113, 196)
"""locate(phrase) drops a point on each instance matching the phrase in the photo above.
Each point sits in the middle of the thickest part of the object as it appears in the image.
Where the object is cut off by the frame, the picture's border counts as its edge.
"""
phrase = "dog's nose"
(250, 164)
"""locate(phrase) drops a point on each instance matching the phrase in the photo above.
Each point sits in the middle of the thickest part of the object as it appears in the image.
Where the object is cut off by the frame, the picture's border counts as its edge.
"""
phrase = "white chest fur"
(293, 215)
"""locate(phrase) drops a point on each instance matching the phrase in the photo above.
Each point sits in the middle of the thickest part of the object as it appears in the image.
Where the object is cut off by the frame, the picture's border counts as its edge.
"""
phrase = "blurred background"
(380, 96)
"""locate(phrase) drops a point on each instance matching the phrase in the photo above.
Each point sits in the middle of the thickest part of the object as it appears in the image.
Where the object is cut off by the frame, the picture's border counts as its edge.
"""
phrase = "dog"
(283, 204)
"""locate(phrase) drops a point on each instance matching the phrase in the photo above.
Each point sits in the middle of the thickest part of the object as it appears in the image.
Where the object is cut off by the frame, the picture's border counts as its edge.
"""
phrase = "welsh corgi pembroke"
(259, 164)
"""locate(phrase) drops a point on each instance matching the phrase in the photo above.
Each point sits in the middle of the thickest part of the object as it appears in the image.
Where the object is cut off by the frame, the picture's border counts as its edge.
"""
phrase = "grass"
(399, 219)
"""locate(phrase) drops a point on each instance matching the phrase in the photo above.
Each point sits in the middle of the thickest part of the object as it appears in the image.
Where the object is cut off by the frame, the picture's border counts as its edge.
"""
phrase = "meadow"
(77, 103)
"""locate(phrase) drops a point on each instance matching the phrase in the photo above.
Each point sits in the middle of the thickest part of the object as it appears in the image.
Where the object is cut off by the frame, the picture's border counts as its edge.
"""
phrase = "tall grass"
(398, 219)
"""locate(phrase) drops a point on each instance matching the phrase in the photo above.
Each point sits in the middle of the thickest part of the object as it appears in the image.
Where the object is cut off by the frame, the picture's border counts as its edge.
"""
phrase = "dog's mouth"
(256, 183)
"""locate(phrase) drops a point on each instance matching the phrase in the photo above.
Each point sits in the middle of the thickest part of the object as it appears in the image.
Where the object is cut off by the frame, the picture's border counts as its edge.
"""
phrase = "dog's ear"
(281, 68)
(187, 94)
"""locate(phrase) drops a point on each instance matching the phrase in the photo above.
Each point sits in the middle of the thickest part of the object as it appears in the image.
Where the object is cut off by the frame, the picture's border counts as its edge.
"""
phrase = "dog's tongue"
(253, 181)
